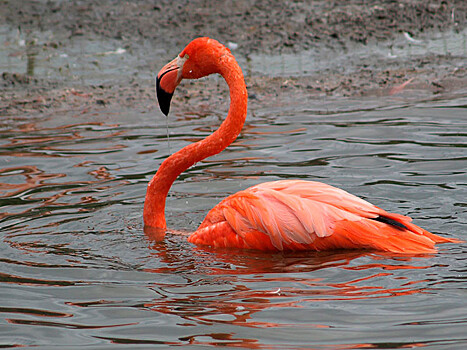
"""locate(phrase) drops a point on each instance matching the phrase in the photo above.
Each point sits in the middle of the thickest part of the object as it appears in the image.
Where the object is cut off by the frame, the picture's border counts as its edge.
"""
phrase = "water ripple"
(76, 266)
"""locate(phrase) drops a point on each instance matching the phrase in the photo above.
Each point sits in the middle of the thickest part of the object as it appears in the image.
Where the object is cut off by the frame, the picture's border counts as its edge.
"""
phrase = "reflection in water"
(62, 325)
(37, 186)
(291, 283)
(28, 185)
(240, 301)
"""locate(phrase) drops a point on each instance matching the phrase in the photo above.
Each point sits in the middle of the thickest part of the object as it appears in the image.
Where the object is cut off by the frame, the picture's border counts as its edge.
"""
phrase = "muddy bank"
(265, 25)
(151, 32)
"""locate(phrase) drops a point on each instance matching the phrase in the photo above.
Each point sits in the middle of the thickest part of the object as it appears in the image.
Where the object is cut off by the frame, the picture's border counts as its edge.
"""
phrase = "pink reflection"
(73, 133)
(31, 183)
(223, 339)
(33, 178)
(294, 277)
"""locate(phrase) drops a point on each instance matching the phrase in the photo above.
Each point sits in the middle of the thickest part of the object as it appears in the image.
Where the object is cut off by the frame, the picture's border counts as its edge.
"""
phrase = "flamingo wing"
(307, 215)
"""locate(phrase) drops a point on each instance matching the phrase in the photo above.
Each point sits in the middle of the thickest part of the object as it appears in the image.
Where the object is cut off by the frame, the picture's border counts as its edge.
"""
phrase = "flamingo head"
(201, 57)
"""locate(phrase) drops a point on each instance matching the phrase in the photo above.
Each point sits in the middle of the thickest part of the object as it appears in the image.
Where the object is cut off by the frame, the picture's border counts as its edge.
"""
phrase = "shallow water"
(76, 269)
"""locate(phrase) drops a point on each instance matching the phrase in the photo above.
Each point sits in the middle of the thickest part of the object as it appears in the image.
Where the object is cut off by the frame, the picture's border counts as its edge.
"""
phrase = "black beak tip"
(163, 97)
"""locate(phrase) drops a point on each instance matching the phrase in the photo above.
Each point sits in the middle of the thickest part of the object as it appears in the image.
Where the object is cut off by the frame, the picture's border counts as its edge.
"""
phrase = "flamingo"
(285, 215)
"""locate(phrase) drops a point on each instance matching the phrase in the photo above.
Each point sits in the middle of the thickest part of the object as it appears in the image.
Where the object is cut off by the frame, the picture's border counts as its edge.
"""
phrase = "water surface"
(76, 269)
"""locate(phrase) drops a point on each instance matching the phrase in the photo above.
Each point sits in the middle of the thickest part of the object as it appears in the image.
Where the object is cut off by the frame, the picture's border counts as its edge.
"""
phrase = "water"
(76, 269)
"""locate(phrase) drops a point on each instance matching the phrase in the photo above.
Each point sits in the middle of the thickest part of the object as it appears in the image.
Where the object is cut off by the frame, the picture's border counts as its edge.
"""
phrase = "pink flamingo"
(272, 216)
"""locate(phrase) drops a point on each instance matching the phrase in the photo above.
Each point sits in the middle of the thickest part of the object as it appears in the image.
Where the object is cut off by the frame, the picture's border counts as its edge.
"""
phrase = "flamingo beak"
(166, 82)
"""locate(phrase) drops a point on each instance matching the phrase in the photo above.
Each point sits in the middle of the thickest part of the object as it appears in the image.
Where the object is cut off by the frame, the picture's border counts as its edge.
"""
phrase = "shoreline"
(96, 54)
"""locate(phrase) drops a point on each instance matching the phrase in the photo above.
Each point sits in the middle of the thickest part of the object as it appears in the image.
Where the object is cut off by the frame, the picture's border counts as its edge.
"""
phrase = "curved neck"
(158, 188)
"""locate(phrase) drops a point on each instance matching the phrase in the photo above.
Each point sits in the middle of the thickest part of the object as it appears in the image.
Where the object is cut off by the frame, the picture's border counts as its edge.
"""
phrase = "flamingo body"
(273, 216)
(308, 215)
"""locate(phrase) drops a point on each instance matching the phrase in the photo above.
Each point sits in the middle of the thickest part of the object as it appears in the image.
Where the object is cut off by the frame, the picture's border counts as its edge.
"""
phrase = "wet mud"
(152, 32)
